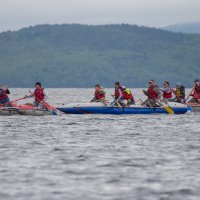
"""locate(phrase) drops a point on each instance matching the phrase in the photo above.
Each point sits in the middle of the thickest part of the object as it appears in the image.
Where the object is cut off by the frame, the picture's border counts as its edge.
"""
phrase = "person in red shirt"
(99, 94)
(118, 96)
(4, 99)
(196, 93)
(128, 96)
(153, 93)
(167, 91)
(39, 95)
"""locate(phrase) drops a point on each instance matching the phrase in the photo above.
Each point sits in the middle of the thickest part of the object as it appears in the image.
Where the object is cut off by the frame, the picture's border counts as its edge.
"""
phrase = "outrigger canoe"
(25, 109)
(99, 108)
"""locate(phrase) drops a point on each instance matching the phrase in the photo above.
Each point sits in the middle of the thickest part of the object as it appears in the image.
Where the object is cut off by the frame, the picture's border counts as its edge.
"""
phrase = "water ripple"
(97, 157)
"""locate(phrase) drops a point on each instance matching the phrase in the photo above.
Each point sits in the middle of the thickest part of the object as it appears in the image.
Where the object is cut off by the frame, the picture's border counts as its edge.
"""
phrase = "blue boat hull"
(117, 110)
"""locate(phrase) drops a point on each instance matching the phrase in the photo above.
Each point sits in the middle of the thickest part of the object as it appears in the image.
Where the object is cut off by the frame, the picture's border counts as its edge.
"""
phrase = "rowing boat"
(99, 108)
(25, 109)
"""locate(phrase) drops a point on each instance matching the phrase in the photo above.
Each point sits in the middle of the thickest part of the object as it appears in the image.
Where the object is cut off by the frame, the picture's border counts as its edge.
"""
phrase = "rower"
(167, 91)
(99, 94)
(180, 93)
(40, 96)
(128, 96)
(196, 93)
(119, 95)
(4, 99)
(153, 93)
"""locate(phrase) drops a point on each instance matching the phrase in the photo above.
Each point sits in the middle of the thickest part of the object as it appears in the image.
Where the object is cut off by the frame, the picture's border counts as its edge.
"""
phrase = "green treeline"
(82, 55)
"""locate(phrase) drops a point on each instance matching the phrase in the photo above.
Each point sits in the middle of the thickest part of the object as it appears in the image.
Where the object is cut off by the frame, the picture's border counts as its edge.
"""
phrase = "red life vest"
(167, 95)
(39, 94)
(3, 95)
(117, 92)
(99, 95)
(197, 89)
(151, 93)
(128, 96)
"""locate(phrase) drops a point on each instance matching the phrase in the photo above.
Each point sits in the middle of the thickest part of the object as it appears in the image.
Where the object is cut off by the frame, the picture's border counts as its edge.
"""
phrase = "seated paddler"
(99, 94)
(128, 96)
(118, 96)
(167, 91)
(196, 92)
(179, 93)
(39, 96)
(153, 93)
(4, 99)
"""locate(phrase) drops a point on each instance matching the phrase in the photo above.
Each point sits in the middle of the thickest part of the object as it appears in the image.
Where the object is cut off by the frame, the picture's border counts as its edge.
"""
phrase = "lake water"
(96, 157)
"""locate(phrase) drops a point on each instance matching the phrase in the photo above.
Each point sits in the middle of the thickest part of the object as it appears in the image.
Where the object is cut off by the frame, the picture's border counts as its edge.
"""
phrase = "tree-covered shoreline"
(72, 55)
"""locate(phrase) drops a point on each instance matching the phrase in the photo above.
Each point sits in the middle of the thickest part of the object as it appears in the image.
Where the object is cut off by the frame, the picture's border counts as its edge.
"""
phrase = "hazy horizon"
(151, 13)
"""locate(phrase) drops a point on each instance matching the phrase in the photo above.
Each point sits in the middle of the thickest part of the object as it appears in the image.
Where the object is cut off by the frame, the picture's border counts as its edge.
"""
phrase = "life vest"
(128, 94)
(195, 96)
(39, 94)
(99, 94)
(178, 92)
(117, 92)
(151, 92)
(197, 89)
(3, 94)
(167, 95)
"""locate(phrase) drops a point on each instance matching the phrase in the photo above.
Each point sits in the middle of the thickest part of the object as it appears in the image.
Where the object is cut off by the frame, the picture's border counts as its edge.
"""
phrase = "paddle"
(167, 107)
(9, 102)
(189, 95)
(118, 104)
(46, 105)
(178, 96)
(116, 101)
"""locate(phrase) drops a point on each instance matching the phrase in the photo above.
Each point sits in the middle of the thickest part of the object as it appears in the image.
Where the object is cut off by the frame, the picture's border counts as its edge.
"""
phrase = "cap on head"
(197, 80)
(38, 83)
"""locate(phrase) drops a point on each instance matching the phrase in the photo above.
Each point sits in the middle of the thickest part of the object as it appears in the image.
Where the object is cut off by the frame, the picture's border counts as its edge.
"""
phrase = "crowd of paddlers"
(122, 95)
(39, 96)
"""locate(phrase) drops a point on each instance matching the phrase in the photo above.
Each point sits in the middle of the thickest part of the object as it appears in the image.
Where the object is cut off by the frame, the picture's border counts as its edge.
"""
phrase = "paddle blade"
(50, 108)
(118, 104)
(168, 109)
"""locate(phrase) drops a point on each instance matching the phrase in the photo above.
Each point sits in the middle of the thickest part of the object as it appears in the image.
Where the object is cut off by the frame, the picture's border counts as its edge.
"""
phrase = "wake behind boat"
(100, 108)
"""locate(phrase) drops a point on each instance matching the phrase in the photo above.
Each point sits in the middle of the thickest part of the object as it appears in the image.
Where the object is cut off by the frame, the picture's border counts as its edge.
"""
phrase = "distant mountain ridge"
(73, 55)
(184, 28)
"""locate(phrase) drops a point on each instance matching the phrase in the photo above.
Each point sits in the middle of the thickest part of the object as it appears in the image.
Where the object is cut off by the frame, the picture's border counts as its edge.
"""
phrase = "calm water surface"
(142, 157)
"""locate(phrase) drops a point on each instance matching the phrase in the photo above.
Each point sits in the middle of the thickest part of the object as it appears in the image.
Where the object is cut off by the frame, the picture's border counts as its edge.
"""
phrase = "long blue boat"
(99, 108)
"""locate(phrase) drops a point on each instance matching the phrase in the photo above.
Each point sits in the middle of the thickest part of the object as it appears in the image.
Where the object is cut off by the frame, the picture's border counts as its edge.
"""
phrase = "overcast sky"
(15, 14)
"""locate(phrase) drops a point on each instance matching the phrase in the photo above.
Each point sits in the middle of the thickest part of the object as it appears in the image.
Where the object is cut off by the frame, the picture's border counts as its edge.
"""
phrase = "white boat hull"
(16, 111)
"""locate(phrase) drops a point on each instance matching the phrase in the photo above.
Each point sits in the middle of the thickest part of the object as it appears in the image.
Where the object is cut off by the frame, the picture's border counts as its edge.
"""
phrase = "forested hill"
(184, 28)
(82, 55)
